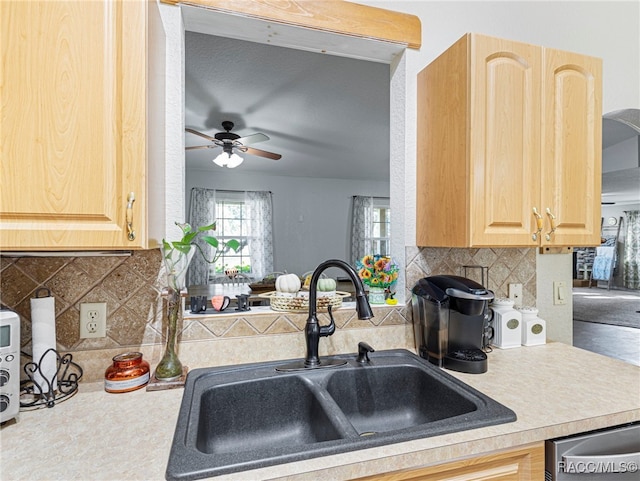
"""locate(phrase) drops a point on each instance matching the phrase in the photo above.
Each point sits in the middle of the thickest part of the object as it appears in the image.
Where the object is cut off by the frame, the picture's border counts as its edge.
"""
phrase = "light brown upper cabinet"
(509, 146)
(73, 125)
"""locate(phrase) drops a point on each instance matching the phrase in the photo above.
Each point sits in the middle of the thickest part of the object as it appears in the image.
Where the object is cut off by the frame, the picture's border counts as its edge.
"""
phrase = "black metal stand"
(48, 391)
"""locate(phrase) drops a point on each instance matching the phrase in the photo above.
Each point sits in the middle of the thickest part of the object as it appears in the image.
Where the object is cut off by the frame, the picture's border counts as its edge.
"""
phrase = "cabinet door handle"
(552, 221)
(539, 221)
(131, 234)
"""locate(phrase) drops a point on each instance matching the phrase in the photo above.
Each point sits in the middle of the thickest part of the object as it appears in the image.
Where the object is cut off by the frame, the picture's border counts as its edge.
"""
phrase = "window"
(370, 227)
(244, 216)
(232, 223)
(381, 227)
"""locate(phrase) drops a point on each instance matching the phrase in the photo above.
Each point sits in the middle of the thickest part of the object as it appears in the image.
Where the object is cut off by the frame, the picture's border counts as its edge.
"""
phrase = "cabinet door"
(504, 141)
(572, 148)
(524, 463)
(72, 124)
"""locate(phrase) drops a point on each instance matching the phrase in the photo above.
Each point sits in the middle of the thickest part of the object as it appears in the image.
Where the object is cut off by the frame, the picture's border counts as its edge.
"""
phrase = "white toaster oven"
(9, 365)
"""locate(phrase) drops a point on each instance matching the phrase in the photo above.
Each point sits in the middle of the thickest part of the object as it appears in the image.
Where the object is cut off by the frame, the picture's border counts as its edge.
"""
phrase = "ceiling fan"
(232, 143)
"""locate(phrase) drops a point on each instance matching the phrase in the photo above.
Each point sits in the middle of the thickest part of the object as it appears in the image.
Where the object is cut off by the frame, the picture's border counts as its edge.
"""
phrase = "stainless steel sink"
(244, 417)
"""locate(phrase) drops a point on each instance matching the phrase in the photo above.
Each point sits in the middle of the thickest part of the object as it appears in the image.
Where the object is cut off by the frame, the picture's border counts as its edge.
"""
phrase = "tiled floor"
(613, 341)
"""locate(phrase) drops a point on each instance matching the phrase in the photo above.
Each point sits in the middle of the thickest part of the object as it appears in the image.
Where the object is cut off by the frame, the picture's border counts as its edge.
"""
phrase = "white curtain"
(361, 227)
(632, 250)
(202, 211)
(260, 236)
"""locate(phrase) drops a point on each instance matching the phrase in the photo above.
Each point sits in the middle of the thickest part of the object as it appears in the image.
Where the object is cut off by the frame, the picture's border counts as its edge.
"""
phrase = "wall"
(622, 155)
(608, 30)
(165, 149)
(311, 216)
(132, 285)
(604, 29)
(551, 268)
(505, 266)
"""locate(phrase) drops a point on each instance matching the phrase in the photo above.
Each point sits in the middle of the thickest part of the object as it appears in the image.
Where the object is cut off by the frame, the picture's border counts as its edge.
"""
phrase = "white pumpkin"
(288, 283)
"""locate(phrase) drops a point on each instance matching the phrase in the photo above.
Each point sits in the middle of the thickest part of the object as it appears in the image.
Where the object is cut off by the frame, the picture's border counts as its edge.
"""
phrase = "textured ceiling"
(327, 116)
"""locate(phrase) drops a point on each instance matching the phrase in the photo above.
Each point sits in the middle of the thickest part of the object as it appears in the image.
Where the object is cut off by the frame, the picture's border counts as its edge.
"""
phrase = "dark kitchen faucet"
(314, 331)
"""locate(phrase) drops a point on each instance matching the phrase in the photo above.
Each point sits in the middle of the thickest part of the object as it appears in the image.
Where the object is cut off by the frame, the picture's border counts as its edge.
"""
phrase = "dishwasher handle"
(604, 463)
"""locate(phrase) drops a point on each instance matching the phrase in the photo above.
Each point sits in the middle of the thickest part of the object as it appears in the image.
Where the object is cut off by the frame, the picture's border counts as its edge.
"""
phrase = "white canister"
(507, 324)
(534, 329)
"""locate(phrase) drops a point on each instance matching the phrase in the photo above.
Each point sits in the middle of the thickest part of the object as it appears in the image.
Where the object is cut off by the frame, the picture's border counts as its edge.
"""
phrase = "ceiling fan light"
(234, 161)
(222, 159)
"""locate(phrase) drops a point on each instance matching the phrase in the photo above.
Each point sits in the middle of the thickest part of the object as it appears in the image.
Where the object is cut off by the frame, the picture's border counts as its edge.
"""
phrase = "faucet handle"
(330, 328)
(363, 352)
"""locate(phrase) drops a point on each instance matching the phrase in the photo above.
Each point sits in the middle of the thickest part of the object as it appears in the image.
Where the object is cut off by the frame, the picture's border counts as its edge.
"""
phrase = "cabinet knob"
(552, 221)
(539, 221)
(131, 234)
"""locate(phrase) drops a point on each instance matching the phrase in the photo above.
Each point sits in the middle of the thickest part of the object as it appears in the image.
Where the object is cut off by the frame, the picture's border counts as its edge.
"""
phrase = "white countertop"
(554, 389)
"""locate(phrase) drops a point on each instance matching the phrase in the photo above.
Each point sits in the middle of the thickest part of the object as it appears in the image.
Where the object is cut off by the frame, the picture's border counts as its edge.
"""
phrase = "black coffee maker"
(451, 322)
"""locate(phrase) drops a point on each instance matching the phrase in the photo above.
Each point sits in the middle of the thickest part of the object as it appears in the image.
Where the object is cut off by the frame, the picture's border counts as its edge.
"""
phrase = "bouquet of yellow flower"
(377, 271)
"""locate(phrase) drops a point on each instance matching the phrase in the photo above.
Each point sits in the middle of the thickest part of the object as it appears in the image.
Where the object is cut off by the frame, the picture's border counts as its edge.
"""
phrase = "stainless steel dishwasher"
(611, 454)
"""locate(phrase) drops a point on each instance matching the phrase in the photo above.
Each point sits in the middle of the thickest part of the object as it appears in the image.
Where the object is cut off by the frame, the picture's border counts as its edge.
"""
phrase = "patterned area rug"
(614, 307)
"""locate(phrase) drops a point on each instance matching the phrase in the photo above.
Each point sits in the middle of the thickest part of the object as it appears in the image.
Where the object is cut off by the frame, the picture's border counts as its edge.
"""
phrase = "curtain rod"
(229, 190)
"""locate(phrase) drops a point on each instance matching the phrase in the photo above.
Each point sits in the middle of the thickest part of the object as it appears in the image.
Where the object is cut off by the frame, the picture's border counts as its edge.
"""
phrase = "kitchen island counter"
(555, 390)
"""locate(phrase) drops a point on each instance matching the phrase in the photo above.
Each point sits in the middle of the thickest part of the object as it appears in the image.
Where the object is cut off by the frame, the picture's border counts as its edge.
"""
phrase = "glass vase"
(376, 295)
(176, 261)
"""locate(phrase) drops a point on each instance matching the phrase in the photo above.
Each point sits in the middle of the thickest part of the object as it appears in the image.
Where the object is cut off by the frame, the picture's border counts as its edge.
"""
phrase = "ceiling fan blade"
(200, 147)
(200, 134)
(252, 139)
(263, 153)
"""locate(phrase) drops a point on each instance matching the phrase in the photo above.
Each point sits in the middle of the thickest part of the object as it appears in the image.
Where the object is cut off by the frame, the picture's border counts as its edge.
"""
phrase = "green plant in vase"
(176, 257)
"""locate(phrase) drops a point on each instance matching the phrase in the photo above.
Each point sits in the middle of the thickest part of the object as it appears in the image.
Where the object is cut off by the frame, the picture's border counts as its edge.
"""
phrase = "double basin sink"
(237, 418)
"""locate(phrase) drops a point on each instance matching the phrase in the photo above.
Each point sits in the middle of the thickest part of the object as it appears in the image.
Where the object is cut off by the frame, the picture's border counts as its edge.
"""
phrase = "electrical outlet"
(93, 320)
(515, 293)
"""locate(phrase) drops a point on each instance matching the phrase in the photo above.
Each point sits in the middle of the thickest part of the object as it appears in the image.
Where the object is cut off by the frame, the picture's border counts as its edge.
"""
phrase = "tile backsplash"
(504, 266)
(131, 286)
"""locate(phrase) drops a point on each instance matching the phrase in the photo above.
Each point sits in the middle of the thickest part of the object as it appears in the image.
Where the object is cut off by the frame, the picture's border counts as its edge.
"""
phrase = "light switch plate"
(560, 293)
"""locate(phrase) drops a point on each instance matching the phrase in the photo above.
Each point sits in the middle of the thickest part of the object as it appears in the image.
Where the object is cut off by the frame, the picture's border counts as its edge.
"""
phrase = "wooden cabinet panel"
(505, 127)
(337, 16)
(504, 139)
(72, 124)
(525, 463)
(572, 167)
(442, 190)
